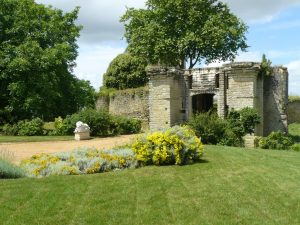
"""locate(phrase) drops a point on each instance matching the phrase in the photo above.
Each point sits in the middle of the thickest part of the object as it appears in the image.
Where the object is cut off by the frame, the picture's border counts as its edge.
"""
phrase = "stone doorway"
(202, 103)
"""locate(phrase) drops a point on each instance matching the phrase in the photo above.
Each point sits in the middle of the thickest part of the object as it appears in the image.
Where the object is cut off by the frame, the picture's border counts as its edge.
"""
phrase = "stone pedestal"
(82, 136)
(250, 141)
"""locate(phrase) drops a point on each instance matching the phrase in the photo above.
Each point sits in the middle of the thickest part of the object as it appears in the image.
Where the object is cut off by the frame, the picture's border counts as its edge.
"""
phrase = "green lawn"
(34, 138)
(294, 129)
(232, 186)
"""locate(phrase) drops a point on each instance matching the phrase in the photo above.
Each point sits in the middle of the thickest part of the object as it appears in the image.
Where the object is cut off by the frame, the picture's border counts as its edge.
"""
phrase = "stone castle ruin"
(175, 95)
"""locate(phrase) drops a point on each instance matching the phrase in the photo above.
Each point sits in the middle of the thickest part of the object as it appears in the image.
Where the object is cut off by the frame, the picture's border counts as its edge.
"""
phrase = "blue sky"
(274, 29)
(279, 39)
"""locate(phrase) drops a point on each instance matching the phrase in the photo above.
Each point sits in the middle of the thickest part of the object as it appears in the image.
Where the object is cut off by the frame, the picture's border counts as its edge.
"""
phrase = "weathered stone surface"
(235, 86)
(82, 136)
(249, 141)
(293, 112)
(276, 101)
(82, 131)
(134, 104)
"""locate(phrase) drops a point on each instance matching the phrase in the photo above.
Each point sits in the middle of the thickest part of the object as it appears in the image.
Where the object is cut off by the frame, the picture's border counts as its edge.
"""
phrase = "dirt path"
(25, 150)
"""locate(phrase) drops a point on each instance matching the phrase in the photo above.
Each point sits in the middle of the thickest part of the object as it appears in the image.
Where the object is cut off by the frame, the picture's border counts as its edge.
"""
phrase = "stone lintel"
(242, 65)
(160, 70)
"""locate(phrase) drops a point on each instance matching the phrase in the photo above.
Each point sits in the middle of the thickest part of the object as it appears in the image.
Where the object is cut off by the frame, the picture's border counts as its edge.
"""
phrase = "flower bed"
(83, 161)
(177, 145)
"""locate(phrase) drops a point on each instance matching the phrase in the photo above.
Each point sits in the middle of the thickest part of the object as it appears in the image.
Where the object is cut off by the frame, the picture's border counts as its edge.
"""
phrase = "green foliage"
(10, 129)
(209, 127)
(9, 171)
(37, 53)
(177, 145)
(294, 98)
(265, 67)
(249, 118)
(107, 92)
(112, 92)
(276, 140)
(25, 128)
(32, 127)
(128, 125)
(296, 147)
(101, 123)
(83, 161)
(126, 71)
(172, 32)
(243, 121)
(214, 130)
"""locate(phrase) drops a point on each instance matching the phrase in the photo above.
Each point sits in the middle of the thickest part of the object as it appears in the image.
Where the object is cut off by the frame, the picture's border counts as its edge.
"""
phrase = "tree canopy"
(173, 32)
(37, 53)
(126, 71)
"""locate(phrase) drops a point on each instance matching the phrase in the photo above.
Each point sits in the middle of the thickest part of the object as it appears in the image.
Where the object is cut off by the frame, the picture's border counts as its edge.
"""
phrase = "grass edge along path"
(17, 139)
(231, 186)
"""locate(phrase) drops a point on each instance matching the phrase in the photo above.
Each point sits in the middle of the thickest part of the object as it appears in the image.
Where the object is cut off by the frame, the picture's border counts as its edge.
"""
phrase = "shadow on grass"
(202, 161)
(296, 138)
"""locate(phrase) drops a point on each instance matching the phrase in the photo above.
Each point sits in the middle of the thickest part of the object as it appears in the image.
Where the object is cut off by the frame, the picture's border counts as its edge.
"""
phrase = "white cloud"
(259, 10)
(294, 77)
(100, 19)
(93, 62)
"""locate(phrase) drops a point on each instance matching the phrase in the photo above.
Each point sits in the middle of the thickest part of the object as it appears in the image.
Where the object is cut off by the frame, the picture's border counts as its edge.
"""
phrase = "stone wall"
(166, 97)
(244, 88)
(293, 111)
(132, 103)
(205, 79)
(173, 93)
(276, 100)
(102, 103)
(242, 82)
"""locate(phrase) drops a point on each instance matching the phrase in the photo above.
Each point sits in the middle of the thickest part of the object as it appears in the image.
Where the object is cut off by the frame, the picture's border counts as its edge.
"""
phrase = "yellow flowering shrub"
(177, 145)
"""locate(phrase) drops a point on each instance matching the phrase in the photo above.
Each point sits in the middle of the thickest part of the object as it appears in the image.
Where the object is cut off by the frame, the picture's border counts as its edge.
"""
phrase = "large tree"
(37, 53)
(126, 71)
(173, 32)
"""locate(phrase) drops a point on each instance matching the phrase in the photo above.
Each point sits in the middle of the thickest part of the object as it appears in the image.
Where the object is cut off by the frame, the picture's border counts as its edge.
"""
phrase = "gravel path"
(25, 150)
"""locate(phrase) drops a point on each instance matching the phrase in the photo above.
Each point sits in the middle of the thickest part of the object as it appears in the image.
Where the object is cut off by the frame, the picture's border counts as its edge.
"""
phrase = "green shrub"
(176, 145)
(249, 118)
(68, 126)
(9, 171)
(82, 161)
(230, 138)
(214, 130)
(24, 128)
(296, 147)
(101, 123)
(30, 127)
(10, 129)
(276, 140)
(128, 125)
(243, 121)
(209, 127)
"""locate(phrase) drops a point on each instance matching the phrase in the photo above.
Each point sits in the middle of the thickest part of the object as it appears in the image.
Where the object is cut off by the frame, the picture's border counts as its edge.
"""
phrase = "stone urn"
(82, 131)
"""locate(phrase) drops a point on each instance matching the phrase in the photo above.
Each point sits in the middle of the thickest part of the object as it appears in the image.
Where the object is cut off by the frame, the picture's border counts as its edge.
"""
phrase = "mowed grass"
(4, 139)
(231, 186)
(294, 129)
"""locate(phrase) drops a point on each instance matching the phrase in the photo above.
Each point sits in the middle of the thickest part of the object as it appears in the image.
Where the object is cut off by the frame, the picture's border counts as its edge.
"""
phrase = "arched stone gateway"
(175, 95)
